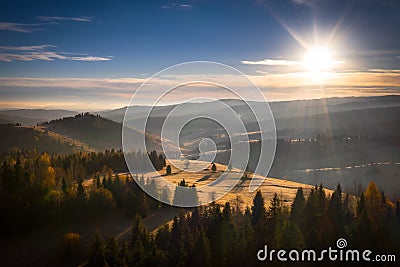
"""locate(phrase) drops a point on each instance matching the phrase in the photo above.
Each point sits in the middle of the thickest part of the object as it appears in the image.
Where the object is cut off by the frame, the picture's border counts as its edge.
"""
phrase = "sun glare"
(320, 60)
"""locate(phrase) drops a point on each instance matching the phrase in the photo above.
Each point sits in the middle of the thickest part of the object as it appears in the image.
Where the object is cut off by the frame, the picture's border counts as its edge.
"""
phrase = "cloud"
(26, 48)
(109, 84)
(19, 27)
(271, 62)
(305, 2)
(368, 78)
(39, 52)
(30, 56)
(45, 20)
(174, 5)
(89, 58)
(58, 19)
(101, 93)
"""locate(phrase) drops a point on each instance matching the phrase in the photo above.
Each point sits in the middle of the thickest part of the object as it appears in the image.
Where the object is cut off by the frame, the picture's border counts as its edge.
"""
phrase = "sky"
(94, 55)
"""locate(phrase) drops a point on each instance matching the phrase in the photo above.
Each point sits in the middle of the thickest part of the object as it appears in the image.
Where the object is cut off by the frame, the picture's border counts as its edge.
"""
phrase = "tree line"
(37, 189)
(226, 235)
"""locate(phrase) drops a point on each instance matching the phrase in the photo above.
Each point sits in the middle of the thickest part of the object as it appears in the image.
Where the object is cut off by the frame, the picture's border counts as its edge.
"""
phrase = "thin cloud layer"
(175, 5)
(113, 92)
(19, 27)
(44, 20)
(271, 62)
(39, 52)
(26, 48)
(58, 19)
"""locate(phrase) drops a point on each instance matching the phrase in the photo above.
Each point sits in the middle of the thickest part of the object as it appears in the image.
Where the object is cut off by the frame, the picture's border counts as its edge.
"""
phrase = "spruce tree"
(201, 252)
(214, 167)
(81, 189)
(168, 170)
(258, 209)
(298, 206)
(292, 237)
(64, 185)
(97, 252)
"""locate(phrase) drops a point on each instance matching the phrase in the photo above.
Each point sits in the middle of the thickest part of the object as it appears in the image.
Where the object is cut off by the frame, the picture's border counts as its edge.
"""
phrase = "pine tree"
(258, 209)
(139, 232)
(64, 185)
(175, 243)
(292, 237)
(336, 211)
(162, 238)
(168, 170)
(213, 167)
(275, 208)
(227, 211)
(111, 252)
(138, 252)
(312, 239)
(274, 220)
(298, 205)
(97, 252)
(124, 254)
(201, 252)
(97, 179)
(81, 189)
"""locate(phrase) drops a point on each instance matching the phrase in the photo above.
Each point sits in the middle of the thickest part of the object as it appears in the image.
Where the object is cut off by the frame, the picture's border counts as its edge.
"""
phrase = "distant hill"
(34, 116)
(280, 109)
(99, 133)
(28, 138)
(384, 121)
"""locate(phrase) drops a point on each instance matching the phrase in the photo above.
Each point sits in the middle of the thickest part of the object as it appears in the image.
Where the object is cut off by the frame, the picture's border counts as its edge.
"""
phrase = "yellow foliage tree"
(49, 177)
(374, 204)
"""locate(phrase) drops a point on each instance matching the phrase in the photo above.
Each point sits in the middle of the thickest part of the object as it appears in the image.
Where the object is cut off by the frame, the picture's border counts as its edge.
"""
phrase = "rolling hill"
(100, 133)
(15, 138)
(280, 109)
(32, 117)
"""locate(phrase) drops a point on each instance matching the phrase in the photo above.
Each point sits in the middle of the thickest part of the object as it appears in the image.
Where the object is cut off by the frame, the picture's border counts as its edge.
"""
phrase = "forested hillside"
(97, 132)
(15, 138)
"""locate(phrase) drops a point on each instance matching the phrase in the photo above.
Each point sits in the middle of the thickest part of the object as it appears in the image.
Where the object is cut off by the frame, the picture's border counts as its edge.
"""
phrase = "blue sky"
(93, 54)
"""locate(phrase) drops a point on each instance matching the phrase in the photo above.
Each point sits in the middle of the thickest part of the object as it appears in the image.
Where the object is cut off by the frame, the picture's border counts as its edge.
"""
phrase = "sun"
(319, 59)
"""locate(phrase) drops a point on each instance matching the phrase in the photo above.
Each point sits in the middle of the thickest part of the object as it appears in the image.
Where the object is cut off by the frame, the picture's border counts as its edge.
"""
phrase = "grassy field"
(195, 175)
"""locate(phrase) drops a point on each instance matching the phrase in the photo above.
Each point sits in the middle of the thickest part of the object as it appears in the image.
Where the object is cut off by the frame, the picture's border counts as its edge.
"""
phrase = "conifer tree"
(258, 209)
(298, 206)
(64, 185)
(201, 252)
(97, 252)
(81, 189)
(168, 170)
(214, 167)
(292, 237)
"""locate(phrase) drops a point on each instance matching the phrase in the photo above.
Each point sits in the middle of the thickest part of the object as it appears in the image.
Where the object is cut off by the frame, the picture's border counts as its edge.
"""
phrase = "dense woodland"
(217, 235)
(99, 133)
(16, 138)
(37, 189)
